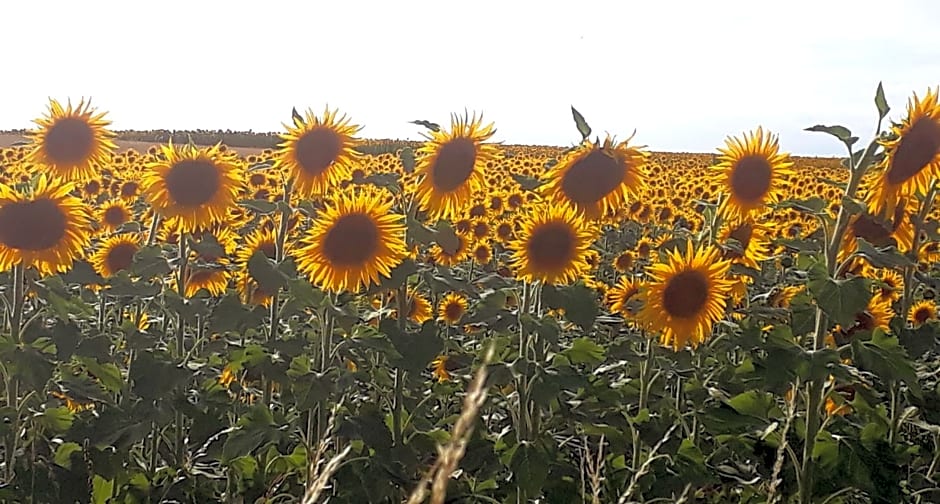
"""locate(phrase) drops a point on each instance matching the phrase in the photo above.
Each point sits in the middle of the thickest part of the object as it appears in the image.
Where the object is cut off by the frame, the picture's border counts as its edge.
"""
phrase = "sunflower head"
(751, 169)
(450, 166)
(72, 141)
(196, 186)
(912, 155)
(452, 308)
(46, 228)
(115, 254)
(552, 245)
(597, 178)
(685, 295)
(319, 152)
(353, 242)
(922, 312)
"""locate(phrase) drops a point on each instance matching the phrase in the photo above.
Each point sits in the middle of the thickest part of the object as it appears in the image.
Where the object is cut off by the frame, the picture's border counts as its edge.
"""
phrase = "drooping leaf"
(881, 102)
(264, 271)
(585, 351)
(842, 300)
(581, 124)
(841, 132)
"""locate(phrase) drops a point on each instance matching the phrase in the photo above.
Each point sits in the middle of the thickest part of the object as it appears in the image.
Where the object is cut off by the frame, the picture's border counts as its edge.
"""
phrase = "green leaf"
(149, 263)
(230, 315)
(58, 420)
(881, 102)
(264, 271)
(814, 205)
(63, 454)
(82, 273)
(841, 132)
(208, 246)
(841, 300)
(585, 351)
(427, 124)
(262, 207)
(752, 403)
(826, 450)
(529, 465)
(297, 118)
(582, 125)
(108, 374)
(408, 159)
(527, 183)
(102, 490)
(578, 301)
(882, 257)
(446, 237)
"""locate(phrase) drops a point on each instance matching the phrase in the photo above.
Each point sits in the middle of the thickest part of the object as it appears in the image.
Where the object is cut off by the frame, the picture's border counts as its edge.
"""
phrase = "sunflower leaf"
(263, 270)
(298, 119)
(427, 124)
(881, 102)
(582, 125)
(408, 159)
(526, 183)
(447, 238)
(841, 132)
(262, 207)
(841, 300)
(883, 257)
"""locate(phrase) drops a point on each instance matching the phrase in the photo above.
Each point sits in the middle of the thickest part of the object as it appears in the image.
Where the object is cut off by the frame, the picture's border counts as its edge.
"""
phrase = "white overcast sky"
(684, 74)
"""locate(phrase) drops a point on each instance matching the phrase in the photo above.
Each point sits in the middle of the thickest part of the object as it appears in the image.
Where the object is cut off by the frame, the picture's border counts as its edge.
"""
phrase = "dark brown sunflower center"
(551, 246)
(129, 189)
(269, 248)
(872, 230)
(685, 294)
(592, 178)
(69, 141)
(193, 182)
(351, 241)
(257, 179)
(115, 216)
(743, 234)
(453, 311)
(916, 149)
(482, 254)
(750, 178)
(454, 164)
(121, 257)
(922, 314)
(317, 149)
(624, 261)
(32, 225)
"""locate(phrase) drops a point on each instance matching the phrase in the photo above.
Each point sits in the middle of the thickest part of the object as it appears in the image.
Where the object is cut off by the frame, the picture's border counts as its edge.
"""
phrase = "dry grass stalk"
(320, 474)
(775, 479)
(449, 456)
(653, 456)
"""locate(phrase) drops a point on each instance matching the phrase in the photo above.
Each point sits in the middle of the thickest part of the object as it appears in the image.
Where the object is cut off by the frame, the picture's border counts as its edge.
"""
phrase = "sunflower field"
(462, 321)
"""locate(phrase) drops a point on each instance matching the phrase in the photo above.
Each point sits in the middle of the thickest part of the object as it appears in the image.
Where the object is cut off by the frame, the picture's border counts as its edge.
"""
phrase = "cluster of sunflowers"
(536, 214)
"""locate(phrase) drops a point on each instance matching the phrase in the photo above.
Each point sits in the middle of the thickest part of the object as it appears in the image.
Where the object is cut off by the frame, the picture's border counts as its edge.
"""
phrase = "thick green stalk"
(921, 218)
(180, 337)
(814, 387)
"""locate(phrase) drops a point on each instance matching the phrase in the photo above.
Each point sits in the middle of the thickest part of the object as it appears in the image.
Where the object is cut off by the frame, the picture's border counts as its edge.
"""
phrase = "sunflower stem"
(921, 218)
(180, 337)
(814, 387)
(152, 232)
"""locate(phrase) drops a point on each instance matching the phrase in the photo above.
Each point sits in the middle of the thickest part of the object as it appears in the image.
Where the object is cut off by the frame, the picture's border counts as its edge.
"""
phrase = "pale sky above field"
(684, 74)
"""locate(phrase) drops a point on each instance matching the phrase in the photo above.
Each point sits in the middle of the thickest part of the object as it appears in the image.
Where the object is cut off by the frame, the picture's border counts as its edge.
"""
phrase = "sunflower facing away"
(196, 186)
(912, 158)
(596, 179)
(115, 254)
(47, 229)
(319, 152)
(450, 166)
(353, 242)
(250, 291)
(751, 169)
(72, 142)
(552, 245)
(686, 295)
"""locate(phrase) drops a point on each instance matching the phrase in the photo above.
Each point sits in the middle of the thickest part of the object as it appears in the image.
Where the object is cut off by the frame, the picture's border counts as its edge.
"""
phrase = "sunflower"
(319, 152)
(877, 315)
(352, 242)
(113, 215)
(211, 276)
(596, 178)
(47, 229)
(552, 245)
(752, 170)
(451, 256)
(892, 285)
(912, 156)
(622, 298)
(197, 186)
(115, 254)
(686, 295)
(624, 261)
(922, 312)
(450, 166)
(452, 308)
(439, 369)
(72, 142)
(753, 244)
(248, 288)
